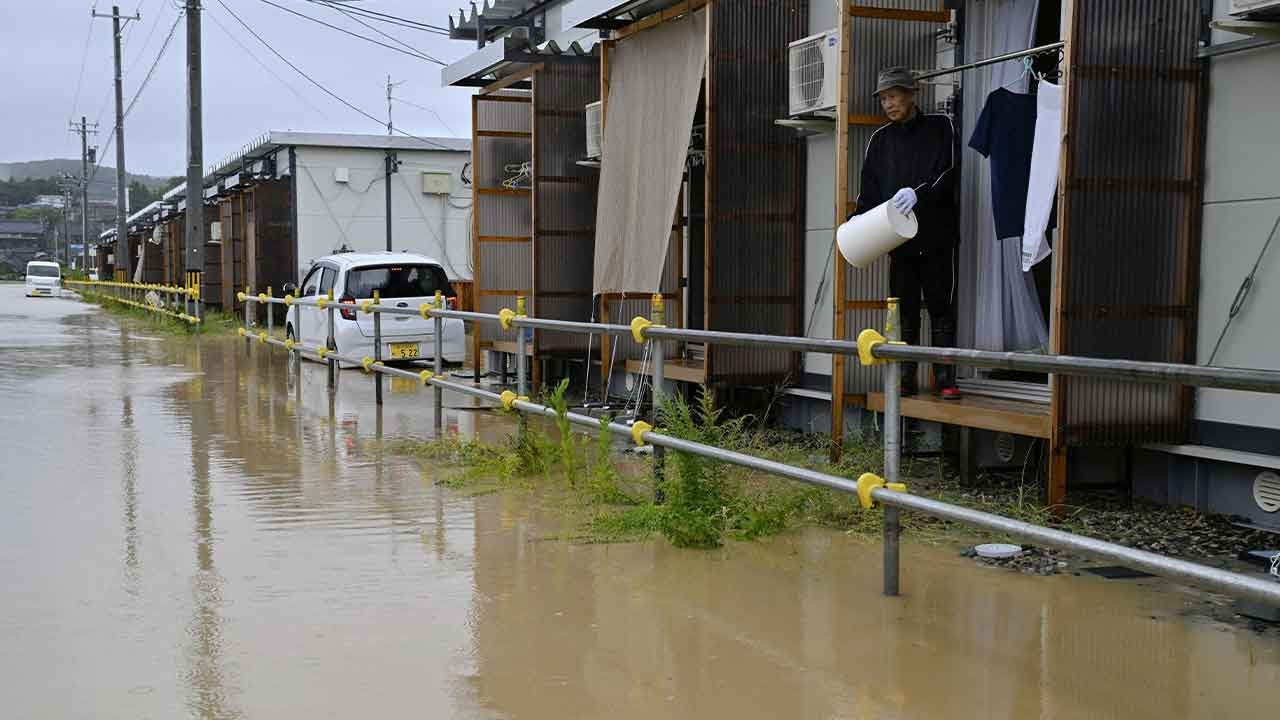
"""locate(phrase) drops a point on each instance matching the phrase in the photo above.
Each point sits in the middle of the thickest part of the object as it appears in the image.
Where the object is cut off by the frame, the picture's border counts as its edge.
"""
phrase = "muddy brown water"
(188, 531)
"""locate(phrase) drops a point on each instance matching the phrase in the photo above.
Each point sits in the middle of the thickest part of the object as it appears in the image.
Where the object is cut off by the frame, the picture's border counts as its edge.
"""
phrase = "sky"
(45, 44)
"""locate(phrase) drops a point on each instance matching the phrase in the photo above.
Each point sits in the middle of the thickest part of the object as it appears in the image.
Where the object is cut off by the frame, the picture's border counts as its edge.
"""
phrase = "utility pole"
(84, 128)
(194, 235)
(124, 270)
(68, 183)
(392, 164)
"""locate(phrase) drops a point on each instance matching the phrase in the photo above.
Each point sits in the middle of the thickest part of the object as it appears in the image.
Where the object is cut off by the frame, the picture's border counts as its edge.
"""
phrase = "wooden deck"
(690, 371)
(1019, 417)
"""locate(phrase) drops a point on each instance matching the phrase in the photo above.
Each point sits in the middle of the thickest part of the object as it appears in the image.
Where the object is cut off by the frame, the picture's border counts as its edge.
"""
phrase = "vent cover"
(1266, 491)
(1005, 447)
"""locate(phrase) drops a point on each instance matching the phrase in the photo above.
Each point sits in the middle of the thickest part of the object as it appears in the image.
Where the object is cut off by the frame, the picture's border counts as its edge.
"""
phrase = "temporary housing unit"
(288, 198)
(650, 189)
(1124, 278)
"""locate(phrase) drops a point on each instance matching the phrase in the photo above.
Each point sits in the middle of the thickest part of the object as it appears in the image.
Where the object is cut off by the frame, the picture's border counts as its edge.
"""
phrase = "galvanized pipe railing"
(135, 295)
(872, 348)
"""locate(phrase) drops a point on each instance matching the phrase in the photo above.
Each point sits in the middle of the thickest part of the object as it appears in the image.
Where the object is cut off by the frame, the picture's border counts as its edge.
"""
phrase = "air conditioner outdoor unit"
(1254, 9)
(595, 129)
(813, 68)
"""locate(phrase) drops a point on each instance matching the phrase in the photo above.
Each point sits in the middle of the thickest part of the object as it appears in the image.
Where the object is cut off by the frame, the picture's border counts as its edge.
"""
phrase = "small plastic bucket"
(869, 236)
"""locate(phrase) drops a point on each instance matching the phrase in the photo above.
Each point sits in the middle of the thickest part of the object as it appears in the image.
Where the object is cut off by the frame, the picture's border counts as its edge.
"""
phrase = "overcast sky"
(44, 43)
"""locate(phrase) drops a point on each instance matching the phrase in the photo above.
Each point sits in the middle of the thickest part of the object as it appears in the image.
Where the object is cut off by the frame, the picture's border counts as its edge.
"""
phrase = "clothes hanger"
(1026, 70)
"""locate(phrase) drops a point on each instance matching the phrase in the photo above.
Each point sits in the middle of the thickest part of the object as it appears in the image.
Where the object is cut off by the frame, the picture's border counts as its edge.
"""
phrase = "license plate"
(404, 351)
(401, 385)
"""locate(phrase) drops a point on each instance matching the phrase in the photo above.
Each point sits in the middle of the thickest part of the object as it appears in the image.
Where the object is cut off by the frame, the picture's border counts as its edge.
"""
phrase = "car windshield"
(43, 270)
(397, 281)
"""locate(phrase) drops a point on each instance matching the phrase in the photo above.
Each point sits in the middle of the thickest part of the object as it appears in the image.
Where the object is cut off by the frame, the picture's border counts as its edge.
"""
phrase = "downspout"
(293, 208)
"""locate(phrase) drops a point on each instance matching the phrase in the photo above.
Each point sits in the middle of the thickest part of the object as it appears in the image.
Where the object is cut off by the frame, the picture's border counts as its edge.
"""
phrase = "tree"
(140, 196)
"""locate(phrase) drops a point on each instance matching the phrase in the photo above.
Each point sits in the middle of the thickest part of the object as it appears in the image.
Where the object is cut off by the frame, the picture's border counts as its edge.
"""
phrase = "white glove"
(904, 200)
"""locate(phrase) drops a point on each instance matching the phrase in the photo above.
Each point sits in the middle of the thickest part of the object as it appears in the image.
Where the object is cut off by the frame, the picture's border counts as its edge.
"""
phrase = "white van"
(44, 278)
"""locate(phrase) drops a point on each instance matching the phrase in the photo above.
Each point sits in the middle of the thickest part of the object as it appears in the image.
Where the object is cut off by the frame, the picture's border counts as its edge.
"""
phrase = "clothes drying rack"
(1040, 50)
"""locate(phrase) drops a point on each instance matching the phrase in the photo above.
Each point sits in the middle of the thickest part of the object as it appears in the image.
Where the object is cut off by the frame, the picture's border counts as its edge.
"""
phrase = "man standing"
(911, 161)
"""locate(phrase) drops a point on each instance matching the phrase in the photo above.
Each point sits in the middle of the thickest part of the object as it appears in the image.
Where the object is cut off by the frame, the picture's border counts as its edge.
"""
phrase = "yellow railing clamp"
(425, 310)
(508, 399)
(262, 337)
(366, 362)
(870, 482)
(366, 307)
(638, 326)
(638, 429)
(288, 300)
(425, 376)
(505, 316)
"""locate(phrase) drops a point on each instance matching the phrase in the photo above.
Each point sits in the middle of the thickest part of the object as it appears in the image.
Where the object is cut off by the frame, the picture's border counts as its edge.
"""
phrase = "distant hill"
(103, 186)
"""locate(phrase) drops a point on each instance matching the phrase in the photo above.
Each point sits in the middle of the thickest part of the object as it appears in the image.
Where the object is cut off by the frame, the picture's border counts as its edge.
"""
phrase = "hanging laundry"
(1043, 184)
(1005, 134)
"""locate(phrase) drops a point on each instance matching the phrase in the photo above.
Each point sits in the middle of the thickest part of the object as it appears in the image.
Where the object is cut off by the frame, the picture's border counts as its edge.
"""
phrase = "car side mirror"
(290, 289)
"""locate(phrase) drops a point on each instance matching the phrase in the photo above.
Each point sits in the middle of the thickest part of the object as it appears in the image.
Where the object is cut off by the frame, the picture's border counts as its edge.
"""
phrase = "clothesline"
(993, 60)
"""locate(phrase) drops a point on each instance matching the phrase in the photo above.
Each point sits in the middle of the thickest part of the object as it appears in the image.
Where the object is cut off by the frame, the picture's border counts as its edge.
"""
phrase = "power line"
(84, 58)
(154, 64)
(262, 64)
(384, 17)
(145, 43)
(427, 109)
(413, 54)
(313, 81)
(388, 36)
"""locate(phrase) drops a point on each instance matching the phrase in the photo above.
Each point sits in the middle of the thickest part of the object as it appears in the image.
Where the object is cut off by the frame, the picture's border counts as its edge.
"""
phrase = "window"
(398, 281)
(42, 270)
(312, 283)
(326, 280)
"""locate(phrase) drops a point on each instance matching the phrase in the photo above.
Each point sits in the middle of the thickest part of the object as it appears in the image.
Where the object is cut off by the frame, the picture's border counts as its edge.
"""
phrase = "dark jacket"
(921, 154)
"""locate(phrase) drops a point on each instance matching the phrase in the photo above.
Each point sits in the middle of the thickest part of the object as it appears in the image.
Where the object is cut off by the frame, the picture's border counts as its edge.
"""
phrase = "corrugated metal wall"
(878, 43)
(503, 255)
(1131, 224)
(757, 187)
(564, 199)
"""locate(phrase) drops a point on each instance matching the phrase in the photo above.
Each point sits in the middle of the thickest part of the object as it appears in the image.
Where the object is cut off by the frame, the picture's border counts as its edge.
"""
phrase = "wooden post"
(841, 205)
(709, 204)
(1056, 489)
(476, 360)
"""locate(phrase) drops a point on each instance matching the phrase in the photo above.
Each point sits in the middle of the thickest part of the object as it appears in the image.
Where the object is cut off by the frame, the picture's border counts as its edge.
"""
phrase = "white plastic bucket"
(869, 236)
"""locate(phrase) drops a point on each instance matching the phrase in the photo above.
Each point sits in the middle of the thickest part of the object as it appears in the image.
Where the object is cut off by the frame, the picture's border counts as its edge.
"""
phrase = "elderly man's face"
(898, 103)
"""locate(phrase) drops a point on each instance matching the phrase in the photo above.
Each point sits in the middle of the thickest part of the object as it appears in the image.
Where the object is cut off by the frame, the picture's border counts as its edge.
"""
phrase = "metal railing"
(178, 303)
(872, 347)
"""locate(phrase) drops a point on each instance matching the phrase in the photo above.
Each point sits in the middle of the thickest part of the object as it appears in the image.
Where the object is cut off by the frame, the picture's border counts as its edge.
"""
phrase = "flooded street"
(188, 531)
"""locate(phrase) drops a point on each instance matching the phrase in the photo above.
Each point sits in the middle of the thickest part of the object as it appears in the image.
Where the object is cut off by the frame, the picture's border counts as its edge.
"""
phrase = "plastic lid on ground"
(998, 551)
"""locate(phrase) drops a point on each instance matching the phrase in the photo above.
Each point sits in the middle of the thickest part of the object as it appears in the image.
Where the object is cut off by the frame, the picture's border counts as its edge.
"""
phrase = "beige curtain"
(654, 81)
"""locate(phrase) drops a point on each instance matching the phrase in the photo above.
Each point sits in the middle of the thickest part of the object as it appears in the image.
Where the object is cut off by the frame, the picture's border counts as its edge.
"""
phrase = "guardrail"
(871, 348)
(179, 303)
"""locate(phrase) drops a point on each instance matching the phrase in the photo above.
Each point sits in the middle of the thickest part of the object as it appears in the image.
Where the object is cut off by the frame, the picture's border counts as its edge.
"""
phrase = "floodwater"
(187, 531)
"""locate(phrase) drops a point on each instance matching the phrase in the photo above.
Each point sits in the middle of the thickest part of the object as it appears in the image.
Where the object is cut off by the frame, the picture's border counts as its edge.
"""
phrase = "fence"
(871, 348)
(179, 303)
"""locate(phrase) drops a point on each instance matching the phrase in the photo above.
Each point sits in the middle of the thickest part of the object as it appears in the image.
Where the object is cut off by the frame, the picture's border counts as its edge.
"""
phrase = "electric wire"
(154, 64)
(386, 35)
(384, 17)
(84, 59)
(402, 51)
(315, 82)
(427, 109)
(298, 94)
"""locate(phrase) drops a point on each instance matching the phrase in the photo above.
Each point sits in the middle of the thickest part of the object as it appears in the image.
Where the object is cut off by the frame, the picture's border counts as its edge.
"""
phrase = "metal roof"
(270, 142)
(496, 16)
(507, 55)
(609, 14)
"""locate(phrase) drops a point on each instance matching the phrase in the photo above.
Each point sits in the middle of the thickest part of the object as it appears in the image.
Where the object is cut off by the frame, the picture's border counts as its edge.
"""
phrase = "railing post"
(438, 369)
(522, 348)
(297, 340)
(658, 316)
(333, 361)
(377, 348)
(271, 323)
(248, 327)
(195, 297)
(892, 450)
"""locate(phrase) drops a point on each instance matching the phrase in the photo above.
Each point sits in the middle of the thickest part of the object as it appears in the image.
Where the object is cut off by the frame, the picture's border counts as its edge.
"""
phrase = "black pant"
(931, 275)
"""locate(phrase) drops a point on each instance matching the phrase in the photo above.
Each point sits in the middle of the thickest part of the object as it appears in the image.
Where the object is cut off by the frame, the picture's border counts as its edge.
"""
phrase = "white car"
(44, 278)
(402, 280)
